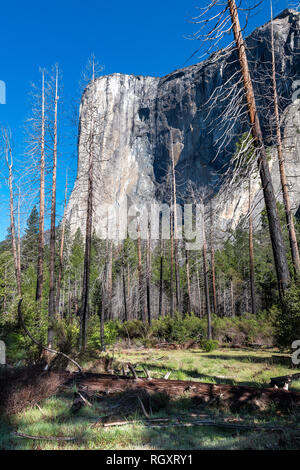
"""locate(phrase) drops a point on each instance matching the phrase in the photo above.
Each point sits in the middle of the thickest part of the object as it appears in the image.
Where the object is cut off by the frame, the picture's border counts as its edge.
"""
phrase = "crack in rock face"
(136, 121)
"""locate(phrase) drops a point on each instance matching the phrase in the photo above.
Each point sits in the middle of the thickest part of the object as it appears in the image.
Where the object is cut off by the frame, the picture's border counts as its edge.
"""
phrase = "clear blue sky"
(129, 37)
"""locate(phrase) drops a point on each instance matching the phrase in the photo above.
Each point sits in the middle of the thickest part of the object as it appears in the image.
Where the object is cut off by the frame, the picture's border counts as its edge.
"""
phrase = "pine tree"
(29, 251)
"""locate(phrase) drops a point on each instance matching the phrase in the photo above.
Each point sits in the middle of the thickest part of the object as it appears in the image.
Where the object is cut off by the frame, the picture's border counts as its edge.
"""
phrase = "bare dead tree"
(89, 126)
(241, 104)
(212, 258)
(41, 242)
(174, 222)
(51, 305)
(161, 271)
(188, 281)
(61, 249)
(283, 179)
(251, 254)
(9, 163)
(142, 313)
(206, 282)
(148, 272)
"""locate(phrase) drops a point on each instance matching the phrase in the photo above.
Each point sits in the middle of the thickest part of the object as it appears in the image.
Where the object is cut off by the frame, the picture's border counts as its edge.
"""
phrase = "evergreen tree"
(29, 249)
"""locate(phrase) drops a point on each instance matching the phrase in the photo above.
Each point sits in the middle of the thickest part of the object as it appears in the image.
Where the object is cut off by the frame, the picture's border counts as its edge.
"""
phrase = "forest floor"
(52, 417)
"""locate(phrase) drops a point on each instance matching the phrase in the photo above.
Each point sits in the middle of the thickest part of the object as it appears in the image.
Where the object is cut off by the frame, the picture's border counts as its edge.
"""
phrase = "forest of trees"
(77, 290)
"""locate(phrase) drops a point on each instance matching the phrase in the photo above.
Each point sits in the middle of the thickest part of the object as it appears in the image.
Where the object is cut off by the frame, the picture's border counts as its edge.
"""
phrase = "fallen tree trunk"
(20, 388)
(232, 395)
(284, 380)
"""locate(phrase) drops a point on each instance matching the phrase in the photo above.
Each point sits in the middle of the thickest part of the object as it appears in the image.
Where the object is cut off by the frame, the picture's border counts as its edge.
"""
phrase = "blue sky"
(135, 37)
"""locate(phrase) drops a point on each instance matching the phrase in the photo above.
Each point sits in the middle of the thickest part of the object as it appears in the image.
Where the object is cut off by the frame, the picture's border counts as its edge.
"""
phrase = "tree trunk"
(199, 292)
(148, 273)
(206, 284)
(251, 255)
(176, 249)
(161, 281)
(172, 268)
(51, 307)
(212, 256)
(40, 262)
(140, 275)
(19, 235)
(88, 244)
(188, 281)
(279, 253)
(232, 298)
(12, 218)
(101, 318)
(61, 250)
(283, 179)
(124, 294)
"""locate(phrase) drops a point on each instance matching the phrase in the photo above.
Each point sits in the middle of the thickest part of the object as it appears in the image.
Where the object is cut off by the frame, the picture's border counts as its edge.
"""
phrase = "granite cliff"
(136, 117)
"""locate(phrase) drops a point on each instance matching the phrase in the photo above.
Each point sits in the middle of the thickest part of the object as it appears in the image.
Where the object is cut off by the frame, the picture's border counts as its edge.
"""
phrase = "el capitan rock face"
(137, 116)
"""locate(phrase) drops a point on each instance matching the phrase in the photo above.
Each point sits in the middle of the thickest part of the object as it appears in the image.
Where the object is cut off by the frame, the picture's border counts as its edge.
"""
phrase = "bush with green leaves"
(209, 344)
(133, 329)
(178, 329)
(111, 332)
(287, 322)
(243, 330)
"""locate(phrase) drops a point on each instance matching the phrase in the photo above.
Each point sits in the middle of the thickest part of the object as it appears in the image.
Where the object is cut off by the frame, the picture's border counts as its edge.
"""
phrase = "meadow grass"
(243, 367)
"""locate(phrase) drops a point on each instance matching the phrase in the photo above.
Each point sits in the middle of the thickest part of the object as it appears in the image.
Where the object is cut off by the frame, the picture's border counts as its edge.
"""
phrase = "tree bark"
(279, 252)
(281, 162)
(140, 275)
(176, 249)
(51, 306)
(12, 218)
(148, 273)
(40, 262)
(88, 243)
(188, 281)
(206, 284)
(251, 255)
(61, 250)
(212, 256)
(161, 281)
(124, 294)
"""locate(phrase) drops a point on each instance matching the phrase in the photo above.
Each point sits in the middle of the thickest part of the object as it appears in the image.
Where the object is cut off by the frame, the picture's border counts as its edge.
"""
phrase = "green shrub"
(111, 331)
(133, 329)
(287, 321)
(209, 344)
(178, 329)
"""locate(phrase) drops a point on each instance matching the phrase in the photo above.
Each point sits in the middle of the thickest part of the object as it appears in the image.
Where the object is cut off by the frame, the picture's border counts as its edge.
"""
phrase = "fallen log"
(43, 438)
(22, 387)
(164, 423)
(284, 381)
(232, 395)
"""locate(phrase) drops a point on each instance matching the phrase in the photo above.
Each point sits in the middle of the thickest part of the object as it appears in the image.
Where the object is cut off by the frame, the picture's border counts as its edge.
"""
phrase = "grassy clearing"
(231, 366)
(223, 366)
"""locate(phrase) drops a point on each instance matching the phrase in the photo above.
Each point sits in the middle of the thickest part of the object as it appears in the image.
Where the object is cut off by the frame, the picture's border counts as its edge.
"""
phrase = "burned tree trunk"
(11, 210)
(279, 253)
(188, 281)
(283, 179)
(148, 273)
(40, 262)
(161, 281)
(251, 256)
(51, 306)
(206, 284)
(212, 257)
(61, 250)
